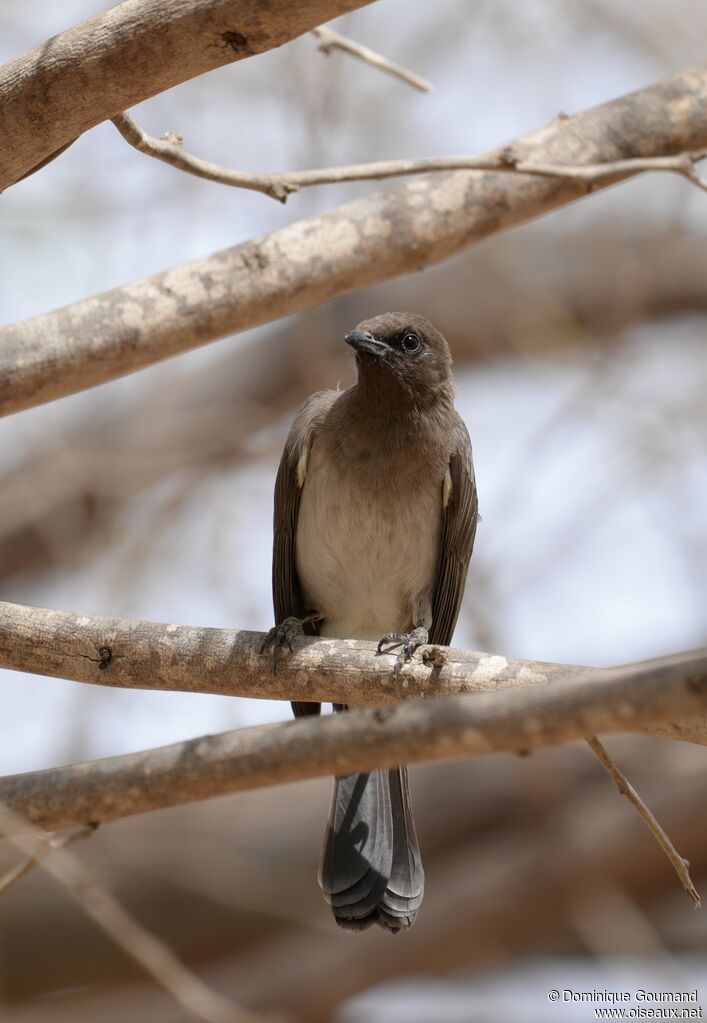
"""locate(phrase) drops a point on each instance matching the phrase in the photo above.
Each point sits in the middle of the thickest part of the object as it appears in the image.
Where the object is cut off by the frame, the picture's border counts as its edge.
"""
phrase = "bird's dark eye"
(411, 342)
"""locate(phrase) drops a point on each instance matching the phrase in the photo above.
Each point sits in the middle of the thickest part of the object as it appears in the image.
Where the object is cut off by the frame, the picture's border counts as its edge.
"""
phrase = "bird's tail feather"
(406, 883)
(370, 870)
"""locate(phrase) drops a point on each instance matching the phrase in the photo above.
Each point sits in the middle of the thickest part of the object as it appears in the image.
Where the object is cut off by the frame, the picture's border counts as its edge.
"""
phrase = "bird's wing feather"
(291, 474)
(457, 541)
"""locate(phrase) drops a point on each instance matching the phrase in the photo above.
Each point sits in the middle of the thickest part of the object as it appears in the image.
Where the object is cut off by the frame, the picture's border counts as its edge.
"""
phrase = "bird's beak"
(363, 341)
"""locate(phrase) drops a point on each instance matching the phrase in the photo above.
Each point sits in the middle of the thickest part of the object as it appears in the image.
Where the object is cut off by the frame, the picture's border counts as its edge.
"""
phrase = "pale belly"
(367, 561)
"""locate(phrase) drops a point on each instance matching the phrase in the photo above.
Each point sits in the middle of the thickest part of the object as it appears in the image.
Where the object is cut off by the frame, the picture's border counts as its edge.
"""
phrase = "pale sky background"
(592, 477)
(103, 214)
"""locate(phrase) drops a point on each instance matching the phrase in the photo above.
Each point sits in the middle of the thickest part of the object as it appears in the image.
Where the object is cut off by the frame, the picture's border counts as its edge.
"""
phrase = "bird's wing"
(458, 530)
(291, 474)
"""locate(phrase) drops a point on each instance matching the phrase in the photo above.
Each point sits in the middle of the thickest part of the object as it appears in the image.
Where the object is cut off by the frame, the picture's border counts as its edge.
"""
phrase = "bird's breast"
(367, 545)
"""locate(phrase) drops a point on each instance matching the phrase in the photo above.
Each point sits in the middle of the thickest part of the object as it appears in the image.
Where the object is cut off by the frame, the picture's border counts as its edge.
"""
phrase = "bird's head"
(402, 352)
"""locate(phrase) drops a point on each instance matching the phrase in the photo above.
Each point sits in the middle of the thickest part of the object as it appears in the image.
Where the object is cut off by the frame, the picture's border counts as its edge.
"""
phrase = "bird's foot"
(408, 643)
(280, 637)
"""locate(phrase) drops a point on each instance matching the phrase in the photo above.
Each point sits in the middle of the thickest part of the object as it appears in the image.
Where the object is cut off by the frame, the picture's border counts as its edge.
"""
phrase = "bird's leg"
(285, 635)
(407, 641)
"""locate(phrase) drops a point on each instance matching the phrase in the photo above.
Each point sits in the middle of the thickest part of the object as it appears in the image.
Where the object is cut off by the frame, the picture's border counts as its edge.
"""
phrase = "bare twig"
(592, 174)
(168, 149)
(680, 865)
(512, 720)
(280, 185)
(53, 842)
(328, 40)
(127, 653)
(405, 228)
(140, 944)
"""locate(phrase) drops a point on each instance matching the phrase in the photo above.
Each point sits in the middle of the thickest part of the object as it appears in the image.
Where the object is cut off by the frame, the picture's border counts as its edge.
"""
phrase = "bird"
(375, 514)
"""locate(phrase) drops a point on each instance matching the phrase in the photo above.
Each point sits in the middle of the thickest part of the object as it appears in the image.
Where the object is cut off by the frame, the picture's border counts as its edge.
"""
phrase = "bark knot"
(106, 656)
(237, 41)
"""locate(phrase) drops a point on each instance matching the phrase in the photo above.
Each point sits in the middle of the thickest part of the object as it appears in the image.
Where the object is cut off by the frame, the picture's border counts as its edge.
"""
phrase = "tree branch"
(169, 150)
(280, 185)
(125, 55)
(58, 841)
(680, 865)
(634, 698)
(389, 233)
(328, 40)
(125, 653)
(594, 173)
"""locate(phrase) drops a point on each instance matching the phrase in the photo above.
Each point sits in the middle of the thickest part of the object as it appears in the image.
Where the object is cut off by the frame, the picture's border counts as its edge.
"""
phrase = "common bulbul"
(375, 517)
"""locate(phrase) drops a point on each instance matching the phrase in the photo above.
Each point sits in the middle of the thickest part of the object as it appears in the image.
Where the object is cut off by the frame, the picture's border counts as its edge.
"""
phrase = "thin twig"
(143, 947)
(168, 150)
(594, 173)
(680, 865)
(59, 841)
(328, 40)
(280, 185)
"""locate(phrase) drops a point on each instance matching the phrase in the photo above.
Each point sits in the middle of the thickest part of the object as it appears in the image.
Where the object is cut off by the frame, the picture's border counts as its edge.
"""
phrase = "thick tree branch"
(634, 698)
(126, 54)
(131, 654)
(144, 653)
(393, 232)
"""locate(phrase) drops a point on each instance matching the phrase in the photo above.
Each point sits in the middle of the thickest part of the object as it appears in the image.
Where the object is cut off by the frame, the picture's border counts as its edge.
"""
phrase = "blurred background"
(581, 368)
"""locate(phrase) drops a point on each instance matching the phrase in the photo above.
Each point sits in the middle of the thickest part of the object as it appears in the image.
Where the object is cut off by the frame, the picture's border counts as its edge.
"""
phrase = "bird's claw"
(408, 643)
(280, 637)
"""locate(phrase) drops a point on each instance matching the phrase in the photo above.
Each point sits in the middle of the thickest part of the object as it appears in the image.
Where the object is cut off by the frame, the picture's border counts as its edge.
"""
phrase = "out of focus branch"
(279, 186)
(125, 653)
(328, 40)
(393, 232)
(150, 954)
(59, 841)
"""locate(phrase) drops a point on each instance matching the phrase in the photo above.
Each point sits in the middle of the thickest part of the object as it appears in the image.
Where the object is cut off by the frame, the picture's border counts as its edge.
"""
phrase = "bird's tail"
(371, 870)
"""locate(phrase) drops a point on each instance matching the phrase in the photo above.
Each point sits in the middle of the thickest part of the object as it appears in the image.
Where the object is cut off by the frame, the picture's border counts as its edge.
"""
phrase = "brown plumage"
(375, 516)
